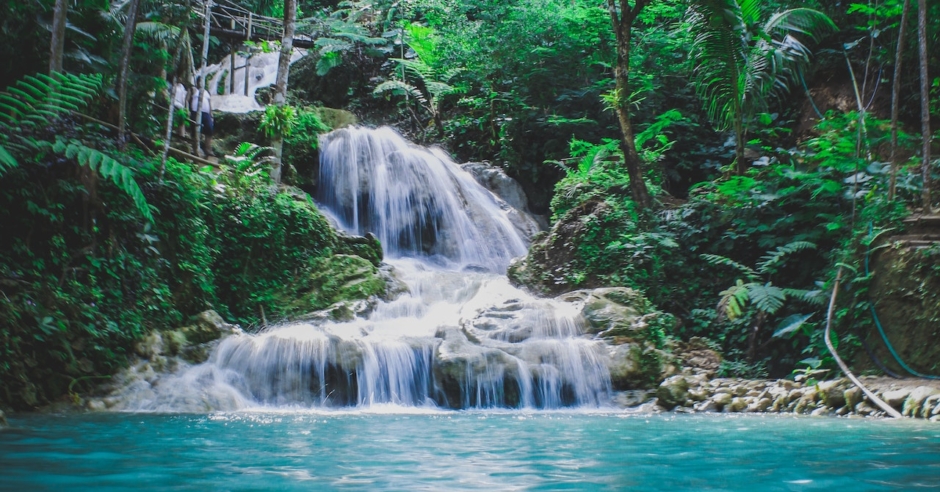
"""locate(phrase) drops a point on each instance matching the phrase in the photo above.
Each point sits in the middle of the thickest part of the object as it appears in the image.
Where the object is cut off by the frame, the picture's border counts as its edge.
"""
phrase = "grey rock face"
(673, 392)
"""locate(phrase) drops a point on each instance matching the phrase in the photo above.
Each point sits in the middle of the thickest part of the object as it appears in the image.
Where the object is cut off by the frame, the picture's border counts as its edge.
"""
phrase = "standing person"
(180, 93)
(206, 115)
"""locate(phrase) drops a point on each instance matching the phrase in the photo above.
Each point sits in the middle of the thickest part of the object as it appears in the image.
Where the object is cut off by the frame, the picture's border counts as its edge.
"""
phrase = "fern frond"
(7, 161)
(719, 260)
(767, 297)
(774, 259)
(107, 167)
(398, 87)
(733, 300)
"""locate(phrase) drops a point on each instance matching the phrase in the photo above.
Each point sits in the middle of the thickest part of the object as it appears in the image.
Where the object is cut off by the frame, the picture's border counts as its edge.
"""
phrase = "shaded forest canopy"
(724, 157)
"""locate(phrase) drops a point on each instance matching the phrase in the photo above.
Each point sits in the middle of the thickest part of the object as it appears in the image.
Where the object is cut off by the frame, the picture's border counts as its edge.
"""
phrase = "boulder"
(460, 366)
(208, 326)
(722, 399)
(832, 393)
(913, 405)
(333, 279)
(931, 406)
(191, 342)
(737, 405)
(761, 405)
(853, 396)
(619, 314)
(513, 197)
(499, 183)
(367, 247)
(632, 366)
(674, 391)
(631, 398)
(549, 267)
(896, 398)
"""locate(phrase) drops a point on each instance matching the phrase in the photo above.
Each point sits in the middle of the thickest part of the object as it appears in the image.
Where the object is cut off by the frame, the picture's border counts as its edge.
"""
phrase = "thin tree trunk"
(924, 99)
(57, 45)
(124, 68)
(174, 79)
(283, 70)
(200, 79)
(895, 99)
(623, 25)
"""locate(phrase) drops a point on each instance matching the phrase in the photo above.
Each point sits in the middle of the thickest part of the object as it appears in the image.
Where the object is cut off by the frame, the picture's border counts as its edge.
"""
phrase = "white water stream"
(461, 337)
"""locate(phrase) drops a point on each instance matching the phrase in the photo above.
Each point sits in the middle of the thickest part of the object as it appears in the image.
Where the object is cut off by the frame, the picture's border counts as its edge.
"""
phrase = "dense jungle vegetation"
(725, 157)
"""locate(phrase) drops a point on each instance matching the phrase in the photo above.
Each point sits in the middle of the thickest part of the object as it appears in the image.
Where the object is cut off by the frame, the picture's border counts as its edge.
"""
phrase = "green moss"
(333, 279)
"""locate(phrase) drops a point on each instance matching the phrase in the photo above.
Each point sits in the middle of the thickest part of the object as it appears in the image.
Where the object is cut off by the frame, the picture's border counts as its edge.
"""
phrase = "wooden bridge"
(229, 21)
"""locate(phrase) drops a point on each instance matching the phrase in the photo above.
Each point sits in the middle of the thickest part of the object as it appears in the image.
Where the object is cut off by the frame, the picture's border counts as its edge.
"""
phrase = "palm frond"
(808, 22)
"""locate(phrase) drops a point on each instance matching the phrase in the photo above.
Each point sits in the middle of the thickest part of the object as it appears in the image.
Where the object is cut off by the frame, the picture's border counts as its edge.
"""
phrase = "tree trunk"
(57, 45)
(924, 99)
(200, 79)
(174, 78)
(623, 25)
(895, 99)
(124, 69)
(283, 70)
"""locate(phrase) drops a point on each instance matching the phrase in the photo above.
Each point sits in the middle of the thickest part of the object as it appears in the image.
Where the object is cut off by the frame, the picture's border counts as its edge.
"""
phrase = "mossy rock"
(554, 264)
(232, 129)
(367, 247)
(334, 279)
(905, 288)
(336, 118)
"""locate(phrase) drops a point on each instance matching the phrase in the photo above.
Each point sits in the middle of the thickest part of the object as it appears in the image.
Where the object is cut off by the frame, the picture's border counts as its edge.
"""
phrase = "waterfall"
(416, 201)
(461, 337)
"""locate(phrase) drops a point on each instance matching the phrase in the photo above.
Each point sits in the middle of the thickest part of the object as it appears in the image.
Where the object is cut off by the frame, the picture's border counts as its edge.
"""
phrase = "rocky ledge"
(694, 392)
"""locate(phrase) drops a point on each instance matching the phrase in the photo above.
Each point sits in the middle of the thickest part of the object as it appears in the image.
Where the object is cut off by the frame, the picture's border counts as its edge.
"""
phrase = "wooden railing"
(227, 20)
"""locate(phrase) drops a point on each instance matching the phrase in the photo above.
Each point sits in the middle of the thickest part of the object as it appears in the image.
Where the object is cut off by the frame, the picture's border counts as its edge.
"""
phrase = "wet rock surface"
(697, 391)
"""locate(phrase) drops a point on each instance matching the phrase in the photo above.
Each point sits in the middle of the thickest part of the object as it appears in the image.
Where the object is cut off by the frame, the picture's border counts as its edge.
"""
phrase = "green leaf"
(791, 324)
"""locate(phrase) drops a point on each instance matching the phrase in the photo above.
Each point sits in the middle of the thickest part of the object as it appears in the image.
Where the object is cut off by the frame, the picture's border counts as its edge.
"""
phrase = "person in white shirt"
(206, 115)
(181, 115)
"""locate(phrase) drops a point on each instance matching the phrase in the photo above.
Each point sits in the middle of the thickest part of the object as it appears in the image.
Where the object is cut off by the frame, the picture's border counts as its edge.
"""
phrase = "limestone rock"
(931, 406)
(737, 405)
(497, 181)
(914, 403)
(673, 392)
(722, 399)
(459, 361)
(896, 398)
(366, 247)
(334, 279)
(761, 405)
(631, 398)
(853, 396)
(832, 393)
(707, 406)
(208, 326)
(697, 354)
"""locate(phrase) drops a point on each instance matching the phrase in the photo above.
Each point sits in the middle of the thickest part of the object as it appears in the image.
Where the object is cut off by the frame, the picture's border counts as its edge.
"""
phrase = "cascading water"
(417, 201)
(461, 337)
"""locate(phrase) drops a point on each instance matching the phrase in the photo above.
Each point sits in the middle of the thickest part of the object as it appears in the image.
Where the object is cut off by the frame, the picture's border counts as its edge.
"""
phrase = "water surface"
(470, 450)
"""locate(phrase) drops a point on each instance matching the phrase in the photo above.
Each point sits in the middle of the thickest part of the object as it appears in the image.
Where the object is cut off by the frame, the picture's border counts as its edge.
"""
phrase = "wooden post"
(231, 73)
(197, 145)
(247, 52)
